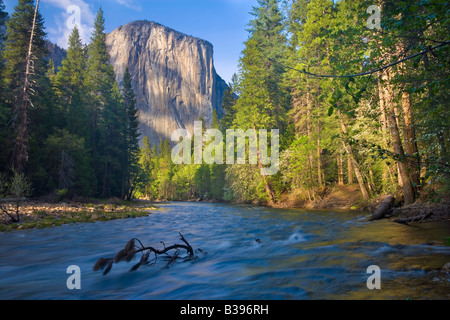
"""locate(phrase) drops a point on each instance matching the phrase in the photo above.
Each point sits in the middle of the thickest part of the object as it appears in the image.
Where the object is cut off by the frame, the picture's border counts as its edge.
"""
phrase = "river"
(301, 254)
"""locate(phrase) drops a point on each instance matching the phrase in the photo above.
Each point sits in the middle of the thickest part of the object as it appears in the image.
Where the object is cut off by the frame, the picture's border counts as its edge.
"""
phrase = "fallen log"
(384, 208)
(419, 218)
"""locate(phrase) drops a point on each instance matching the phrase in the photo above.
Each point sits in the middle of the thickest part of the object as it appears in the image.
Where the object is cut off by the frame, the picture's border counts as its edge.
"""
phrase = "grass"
(40, 219)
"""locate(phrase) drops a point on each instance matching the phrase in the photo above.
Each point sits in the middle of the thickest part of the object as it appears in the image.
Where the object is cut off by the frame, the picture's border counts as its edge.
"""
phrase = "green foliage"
(19, 186)
(16, 47)
(61, 194)
(83, 128)
(3, 109)
(228, 105)
(131, 171)
(295, 166)
(69, 87)
(83, 131)
(64, 148)
(322, 119)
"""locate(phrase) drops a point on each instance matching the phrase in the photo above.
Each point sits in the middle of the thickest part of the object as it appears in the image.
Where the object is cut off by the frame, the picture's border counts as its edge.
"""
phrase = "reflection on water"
(301, 255)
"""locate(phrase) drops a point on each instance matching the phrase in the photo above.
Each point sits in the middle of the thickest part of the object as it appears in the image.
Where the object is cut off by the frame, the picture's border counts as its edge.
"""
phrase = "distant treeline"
(355, 102)
(71, 132)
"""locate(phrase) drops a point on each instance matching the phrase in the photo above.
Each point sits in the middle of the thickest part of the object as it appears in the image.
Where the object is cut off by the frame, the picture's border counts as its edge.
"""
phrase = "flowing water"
(301, 255)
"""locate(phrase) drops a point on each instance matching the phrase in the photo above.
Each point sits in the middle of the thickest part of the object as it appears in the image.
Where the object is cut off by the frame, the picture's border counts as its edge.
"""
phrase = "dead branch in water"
(135, 246)
(418, 218)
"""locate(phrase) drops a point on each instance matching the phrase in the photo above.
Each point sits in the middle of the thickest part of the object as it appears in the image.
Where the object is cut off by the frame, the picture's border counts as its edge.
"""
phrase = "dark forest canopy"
(379, 119)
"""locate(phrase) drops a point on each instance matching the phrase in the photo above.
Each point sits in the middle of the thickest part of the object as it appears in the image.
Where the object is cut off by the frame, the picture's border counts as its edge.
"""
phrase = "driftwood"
(135, 246)
(384, 208)
(418, 218)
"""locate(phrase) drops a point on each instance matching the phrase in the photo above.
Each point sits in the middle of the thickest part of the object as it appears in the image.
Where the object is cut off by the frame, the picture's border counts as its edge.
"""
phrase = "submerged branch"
(135, 246)
(418, 218)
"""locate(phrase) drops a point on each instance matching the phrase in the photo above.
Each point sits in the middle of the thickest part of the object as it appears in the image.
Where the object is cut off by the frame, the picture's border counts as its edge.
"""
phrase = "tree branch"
(131, 249)
(362, 73)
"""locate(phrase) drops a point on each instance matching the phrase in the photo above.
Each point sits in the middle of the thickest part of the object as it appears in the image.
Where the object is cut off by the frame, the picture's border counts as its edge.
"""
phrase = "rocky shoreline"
(35, 214)
(349, 198)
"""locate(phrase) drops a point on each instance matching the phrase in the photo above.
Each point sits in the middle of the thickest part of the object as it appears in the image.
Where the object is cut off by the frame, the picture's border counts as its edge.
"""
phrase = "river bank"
(41, 214)
(38, 214)
(349, 197)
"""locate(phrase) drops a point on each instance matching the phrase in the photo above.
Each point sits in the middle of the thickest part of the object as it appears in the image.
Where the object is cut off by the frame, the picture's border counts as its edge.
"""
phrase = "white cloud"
(83, 17)
(130, 4)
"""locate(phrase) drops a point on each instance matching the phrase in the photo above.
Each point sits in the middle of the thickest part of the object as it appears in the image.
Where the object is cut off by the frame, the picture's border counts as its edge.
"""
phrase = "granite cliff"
(55, 53)
(172, 74)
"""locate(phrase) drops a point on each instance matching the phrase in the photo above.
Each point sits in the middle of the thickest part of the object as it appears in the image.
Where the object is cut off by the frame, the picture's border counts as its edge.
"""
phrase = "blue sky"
(221, 22)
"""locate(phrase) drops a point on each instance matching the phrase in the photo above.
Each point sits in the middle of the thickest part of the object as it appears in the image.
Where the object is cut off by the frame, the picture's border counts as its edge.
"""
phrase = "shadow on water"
(253, 253)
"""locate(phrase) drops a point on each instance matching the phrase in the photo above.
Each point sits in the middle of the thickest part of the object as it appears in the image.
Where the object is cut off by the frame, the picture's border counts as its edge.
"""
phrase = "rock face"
(55, 53)
(173, 77)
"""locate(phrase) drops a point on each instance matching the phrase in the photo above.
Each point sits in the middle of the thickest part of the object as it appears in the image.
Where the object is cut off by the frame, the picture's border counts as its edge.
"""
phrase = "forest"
(359, 97)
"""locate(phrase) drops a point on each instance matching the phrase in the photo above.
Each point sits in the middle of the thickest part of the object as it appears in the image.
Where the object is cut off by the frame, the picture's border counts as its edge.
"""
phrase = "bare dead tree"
(21, 146)
(135, 246)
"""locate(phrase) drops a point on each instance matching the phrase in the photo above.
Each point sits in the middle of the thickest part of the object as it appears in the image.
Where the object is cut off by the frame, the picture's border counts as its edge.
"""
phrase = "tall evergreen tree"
(147, 163)
(263, 99)
(268, 38)
(25, 54)
(103, 108)
(131, 146)
(3, 108)
(228, 105)
(113, 122)
(17, 45)
(69, 85)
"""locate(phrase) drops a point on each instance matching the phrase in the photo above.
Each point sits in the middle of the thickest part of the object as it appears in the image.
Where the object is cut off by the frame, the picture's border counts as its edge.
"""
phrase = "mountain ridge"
(163, 59)
(172, 73)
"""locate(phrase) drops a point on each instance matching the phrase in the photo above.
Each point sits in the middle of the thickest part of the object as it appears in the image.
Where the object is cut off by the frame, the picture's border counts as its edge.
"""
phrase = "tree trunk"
(349, 150)
(410, 139)
(105, 181)
(309, 133)
(371, 181)
(340, 170)
(408, 189)
(386, 176)
(20, 154)
(399, 176)
(384, 208)
(349, 169)
(409, 134)
(319, 164)
(267, 185)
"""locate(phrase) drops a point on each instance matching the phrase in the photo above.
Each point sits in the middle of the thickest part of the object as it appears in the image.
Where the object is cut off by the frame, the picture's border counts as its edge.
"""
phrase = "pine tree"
(131, 150)
(147, 156)
(17, 45)
(103, 108)
(25, 55)
(268, 41)
(164, 170)
(113, 142)
(3, 109)
(69, 85)
(263, 100)
(228, 105)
